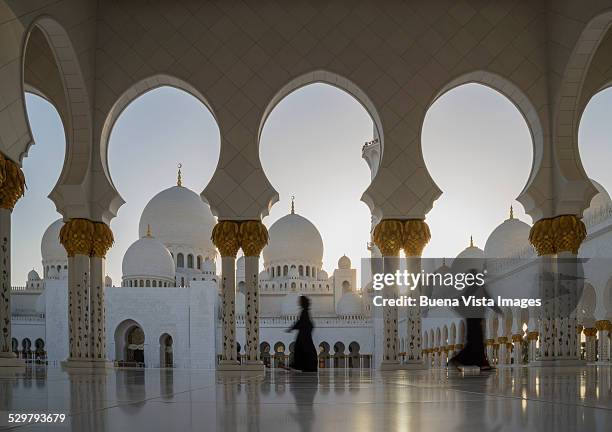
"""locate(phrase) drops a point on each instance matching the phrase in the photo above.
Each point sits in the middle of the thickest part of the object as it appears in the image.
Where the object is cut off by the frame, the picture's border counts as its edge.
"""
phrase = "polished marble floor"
(512, 399)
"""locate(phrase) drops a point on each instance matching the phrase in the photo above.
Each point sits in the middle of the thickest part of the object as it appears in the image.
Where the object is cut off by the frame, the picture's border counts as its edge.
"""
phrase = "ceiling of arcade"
(239, 55)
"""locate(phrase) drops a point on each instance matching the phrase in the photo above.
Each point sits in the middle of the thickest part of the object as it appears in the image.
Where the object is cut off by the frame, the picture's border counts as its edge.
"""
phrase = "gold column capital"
(12, 183)
(590, 331)
(253, 237)
(102, 239)
(226, 237)
(579, 329)
(559, 234)
(517, 338)
(416, 235)
(602, 325)
(77, 236)
(489, 342)
(502, 339)
(388, 237)
(533, 335)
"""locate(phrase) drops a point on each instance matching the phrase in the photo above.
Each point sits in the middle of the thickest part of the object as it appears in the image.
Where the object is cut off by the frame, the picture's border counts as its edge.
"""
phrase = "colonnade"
(230, 236)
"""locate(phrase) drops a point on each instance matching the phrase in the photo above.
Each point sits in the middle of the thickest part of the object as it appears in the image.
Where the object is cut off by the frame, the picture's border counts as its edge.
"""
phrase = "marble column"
(226, 238)
(532, 337)
(603, 340)
(490, 351)
(590, 334)
(502, 353)
(579, 329)
(388, 238)
(77, 236)
(558, 237)
(12, 186)
(517, 352)
(253, 238)
(415, 236)
(102, 241)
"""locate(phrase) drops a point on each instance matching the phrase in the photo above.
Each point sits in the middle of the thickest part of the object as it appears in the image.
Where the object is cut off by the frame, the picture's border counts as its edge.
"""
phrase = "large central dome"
(177, 216)
(293, 238)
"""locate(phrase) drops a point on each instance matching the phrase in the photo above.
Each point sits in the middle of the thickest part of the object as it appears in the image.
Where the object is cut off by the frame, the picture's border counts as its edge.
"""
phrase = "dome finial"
(292, 204)
(149, 229)
(471, 241)
(511, 213)
(179, 176)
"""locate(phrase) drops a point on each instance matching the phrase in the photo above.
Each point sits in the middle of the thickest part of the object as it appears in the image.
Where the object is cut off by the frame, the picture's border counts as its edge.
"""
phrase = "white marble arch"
(121, 332)
(71, 193)
(126, 98)
(342, 83)
(528, 196)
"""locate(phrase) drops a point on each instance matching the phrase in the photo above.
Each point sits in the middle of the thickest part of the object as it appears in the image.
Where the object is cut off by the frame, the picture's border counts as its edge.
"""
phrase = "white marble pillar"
(590, 334)
(603, 340)
(502, 353)
(547, 329)
(517, 352)
(390, 317)
(228, 288)
(78, 308)
(532, 337)
(97, 342)
(567, 323)
(413, 346)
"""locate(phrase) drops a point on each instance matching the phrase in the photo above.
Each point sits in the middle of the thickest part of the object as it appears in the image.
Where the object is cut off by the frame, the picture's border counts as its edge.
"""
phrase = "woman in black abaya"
(304, 353)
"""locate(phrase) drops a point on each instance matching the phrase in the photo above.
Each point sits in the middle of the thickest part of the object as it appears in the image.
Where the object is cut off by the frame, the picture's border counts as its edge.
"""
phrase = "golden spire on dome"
(511, 213)
(292, 204)
(471, 241)
(149, 230)
(179, 176)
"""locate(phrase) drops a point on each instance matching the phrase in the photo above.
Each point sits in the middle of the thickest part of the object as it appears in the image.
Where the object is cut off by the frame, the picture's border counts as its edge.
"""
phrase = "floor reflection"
(508, 399)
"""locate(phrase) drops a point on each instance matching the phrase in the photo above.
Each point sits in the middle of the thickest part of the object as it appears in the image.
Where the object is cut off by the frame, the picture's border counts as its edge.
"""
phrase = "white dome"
(508, 238)
(472, 257)
(148, 257)
(599, 201)
(322, 275)
(178, 216)
(50, 247)
(263, 275)
(349, 304)
(293, 238)
(33, 275)
(290, 306)
(344, 263)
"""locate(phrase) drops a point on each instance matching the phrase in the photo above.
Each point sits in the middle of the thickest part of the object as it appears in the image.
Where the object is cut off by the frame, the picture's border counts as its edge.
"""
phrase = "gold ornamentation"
(562, 233)
(77, 236)
(579, 329)
(533, 335)
(502, 339)
(541, 237)
(489, 341)
(517, 338)
(590, 331)
(292, 204)
(12, 183)
(388, 237)
(179, 175)
(253, 237)
(603, 325)
(415, 237)
(102, 239)
(226, 237)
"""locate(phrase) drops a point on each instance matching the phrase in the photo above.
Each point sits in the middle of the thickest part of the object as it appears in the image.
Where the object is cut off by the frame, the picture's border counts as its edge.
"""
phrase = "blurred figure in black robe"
(304, 352)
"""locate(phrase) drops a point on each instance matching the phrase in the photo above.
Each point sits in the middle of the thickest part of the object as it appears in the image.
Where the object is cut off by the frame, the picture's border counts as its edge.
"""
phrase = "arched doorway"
(130, 344)
(354, 356)
(166, 357)
(264, 353)
(324, 355)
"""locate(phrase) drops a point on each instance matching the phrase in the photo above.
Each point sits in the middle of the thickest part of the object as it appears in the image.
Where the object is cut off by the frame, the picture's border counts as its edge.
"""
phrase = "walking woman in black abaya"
(305, 353)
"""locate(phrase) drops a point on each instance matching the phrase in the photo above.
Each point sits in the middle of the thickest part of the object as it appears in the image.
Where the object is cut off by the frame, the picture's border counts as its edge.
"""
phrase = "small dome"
(178, 216)
(599, 201)
(344, 263)
(33, 275)
(108, 282)
(508, 238)
(263, 276)
(148, 257)
(472, 257)
(322, 275)
(240, 303)
(290, 306)
(50, 247)
(293, 238)
(349, 304)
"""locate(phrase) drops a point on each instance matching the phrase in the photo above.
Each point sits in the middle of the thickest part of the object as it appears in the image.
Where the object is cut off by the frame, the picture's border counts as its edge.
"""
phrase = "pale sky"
(475, 143)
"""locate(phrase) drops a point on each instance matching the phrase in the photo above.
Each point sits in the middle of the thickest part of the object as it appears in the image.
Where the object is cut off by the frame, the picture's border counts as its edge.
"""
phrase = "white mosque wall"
(56, 320)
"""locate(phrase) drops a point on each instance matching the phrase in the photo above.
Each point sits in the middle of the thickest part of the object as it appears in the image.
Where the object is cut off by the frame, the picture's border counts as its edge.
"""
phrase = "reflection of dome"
(599, 201)
(349, 304)
(148, 257)
(344, 263)
(293, 238)
(290, 306)
(510, 237)
(178, 216)
(33, 275)
(50, 247)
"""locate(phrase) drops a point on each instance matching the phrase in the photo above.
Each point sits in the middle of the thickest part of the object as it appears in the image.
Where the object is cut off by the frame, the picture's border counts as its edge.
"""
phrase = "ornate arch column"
(101, 242)
(12, 186)
(557, 241)
(603, 340)
(253, 238)
(226, 237)
(390, 236)
(590, 334)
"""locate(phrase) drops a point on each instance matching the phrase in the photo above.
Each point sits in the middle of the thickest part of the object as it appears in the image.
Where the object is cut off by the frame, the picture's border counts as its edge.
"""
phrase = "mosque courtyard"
(508, 399)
